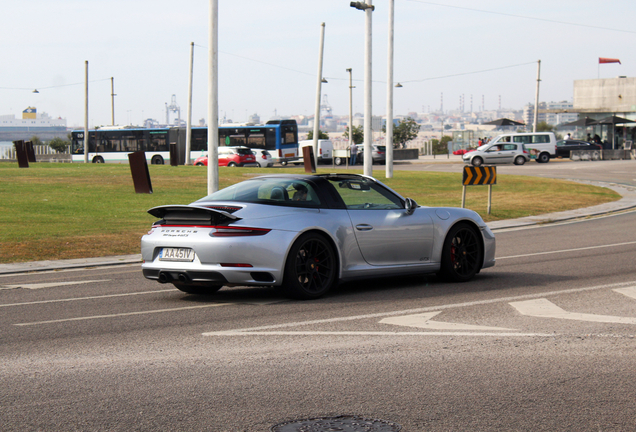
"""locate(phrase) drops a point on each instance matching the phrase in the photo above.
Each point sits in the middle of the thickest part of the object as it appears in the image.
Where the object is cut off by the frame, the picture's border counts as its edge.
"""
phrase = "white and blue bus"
(279, 137)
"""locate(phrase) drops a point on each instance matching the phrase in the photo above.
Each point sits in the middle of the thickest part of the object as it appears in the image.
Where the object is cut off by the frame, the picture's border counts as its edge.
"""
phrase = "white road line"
(372, 333)
(544, 308)
(84, 298)
(629, 292)
(49, 284)
(568, 250)
(255, 330)
(424, 321)
(121, 314)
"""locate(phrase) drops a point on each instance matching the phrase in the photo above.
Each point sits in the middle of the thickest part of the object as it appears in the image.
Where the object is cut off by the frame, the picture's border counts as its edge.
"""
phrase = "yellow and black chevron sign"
(484, 175)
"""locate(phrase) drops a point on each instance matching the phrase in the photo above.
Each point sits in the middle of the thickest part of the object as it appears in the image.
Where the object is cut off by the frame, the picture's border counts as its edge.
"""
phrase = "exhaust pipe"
(184, 278)
(164, 277)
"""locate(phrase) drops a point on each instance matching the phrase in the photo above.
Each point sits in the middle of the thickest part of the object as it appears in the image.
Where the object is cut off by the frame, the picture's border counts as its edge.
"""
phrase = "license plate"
(176, 254)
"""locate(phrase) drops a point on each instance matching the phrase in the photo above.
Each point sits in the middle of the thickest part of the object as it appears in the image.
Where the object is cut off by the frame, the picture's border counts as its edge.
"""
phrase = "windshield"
(276, 191)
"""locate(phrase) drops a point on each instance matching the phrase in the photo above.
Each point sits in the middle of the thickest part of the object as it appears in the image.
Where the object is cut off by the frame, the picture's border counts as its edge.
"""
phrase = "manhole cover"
(337, 424)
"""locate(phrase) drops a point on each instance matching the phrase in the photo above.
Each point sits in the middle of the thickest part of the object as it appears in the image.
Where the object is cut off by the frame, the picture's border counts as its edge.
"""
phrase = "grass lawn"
(61, 211)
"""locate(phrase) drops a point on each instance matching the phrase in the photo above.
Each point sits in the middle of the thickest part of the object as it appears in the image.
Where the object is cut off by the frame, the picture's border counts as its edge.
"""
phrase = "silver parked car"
(305, 233)
(498, 153)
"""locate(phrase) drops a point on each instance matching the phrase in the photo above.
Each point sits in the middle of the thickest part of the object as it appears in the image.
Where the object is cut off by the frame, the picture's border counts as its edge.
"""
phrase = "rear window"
(243, 151)
(287, 192)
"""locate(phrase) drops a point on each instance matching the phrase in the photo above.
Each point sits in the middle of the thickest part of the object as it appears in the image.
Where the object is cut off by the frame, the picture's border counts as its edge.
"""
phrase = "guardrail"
(594, 155)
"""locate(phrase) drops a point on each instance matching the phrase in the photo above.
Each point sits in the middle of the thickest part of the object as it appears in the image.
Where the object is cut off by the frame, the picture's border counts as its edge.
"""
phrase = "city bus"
(109, 144)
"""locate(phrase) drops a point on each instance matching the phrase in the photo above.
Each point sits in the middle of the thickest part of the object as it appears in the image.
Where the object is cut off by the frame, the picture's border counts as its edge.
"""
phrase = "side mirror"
(410, 206)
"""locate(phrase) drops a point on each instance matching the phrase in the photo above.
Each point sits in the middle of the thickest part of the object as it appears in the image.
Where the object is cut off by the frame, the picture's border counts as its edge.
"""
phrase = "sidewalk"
(628, 201)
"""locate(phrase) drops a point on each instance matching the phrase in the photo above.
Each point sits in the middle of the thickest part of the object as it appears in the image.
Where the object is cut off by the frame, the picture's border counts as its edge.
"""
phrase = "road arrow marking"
(543, 308)
(629, 292)
(424, 321)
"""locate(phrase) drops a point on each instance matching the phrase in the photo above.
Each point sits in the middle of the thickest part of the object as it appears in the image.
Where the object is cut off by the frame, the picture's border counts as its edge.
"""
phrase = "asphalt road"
(544, 341)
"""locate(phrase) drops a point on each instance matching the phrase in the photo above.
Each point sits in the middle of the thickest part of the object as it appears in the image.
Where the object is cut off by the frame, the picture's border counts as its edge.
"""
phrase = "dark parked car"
(565, 146)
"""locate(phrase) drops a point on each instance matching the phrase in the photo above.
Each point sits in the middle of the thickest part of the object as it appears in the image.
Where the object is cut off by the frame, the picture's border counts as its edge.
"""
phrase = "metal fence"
(9, 153)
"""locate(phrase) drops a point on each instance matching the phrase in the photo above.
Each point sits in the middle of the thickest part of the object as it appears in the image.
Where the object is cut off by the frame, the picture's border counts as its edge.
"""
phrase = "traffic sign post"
(475, 176)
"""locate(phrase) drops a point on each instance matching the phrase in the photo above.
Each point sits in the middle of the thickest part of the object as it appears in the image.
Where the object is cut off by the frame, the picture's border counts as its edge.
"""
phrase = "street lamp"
(368, 8)
(362, 6)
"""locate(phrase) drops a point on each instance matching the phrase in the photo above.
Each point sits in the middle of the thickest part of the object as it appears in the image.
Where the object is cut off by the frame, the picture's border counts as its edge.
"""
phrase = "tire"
(462, 254)
(231, 164)
(310, 268)
(543, 158)
(156, 160)
(283, 163)
(477, 161)
(520, 160)
(199, 164)
(98, 159)
(337, 161)
(198, 289)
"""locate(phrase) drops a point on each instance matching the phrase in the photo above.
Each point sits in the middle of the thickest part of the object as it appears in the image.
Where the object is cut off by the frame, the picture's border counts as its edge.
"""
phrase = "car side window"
(510, 147)
(366, 195)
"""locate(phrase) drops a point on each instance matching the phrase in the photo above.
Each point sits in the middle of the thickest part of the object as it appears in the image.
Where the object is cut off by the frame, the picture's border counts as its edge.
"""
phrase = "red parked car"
(231, 157)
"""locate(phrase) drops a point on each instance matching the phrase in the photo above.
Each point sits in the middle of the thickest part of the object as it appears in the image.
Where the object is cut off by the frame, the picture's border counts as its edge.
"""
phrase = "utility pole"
(112, 101)
(389, 97)
(86, 112)
(188, 144)
(213, 98)
(536, 98)
(318, 90)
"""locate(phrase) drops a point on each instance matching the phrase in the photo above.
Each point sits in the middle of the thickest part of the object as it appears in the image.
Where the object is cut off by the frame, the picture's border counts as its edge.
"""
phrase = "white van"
(325, 150)
(541, 145)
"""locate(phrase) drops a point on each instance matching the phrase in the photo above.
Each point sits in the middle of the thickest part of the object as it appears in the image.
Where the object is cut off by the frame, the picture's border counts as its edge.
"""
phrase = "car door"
(508, 153)
(385, 231)
(494, 154)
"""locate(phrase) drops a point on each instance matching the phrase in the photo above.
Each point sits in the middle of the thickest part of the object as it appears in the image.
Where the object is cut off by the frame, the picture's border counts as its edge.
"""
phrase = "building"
(553, 113)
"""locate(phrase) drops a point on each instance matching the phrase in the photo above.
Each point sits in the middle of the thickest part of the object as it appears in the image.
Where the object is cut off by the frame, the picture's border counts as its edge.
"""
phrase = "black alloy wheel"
(462, 254)
(310, 269)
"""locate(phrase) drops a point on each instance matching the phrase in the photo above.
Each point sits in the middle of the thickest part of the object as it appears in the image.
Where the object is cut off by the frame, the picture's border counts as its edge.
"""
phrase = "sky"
(268, 55)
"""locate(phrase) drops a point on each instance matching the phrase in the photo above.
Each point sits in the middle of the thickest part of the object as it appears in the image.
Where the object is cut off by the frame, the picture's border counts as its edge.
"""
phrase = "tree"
(358, 134)
(441, 148)
(405, 131)
(544, 127)
(59, 145)
(35, 140)
(321, 135)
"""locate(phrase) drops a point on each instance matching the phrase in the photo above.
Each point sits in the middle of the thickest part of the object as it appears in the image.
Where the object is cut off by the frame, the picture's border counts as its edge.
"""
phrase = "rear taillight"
(238, 232)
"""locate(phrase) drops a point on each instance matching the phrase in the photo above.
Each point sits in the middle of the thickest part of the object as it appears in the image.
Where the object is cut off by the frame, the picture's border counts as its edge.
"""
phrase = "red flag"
(602, 60)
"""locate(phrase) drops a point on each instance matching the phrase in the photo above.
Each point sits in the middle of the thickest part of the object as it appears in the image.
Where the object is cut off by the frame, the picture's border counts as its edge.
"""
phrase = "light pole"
(368, 9)
(319, 80)
(188, 144)
(389, 98)
(213, 98)
(86, 113)
(350, 108)
(536, 98)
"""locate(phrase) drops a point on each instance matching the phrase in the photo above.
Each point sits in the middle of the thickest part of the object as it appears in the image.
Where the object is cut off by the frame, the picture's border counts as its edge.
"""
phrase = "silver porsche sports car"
(306, 233)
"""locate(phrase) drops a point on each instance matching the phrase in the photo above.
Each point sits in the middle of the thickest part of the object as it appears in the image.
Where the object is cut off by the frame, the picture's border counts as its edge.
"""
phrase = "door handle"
(364, 227)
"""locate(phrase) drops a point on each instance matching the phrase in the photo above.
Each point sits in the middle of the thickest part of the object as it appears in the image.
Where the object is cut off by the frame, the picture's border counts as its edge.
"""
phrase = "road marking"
(84, 298)
(629, 292)
(268, 329)
(424, 321)
(568, 250)
(121, 314)
(544, 308)
(370, 333)
(49, 284)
